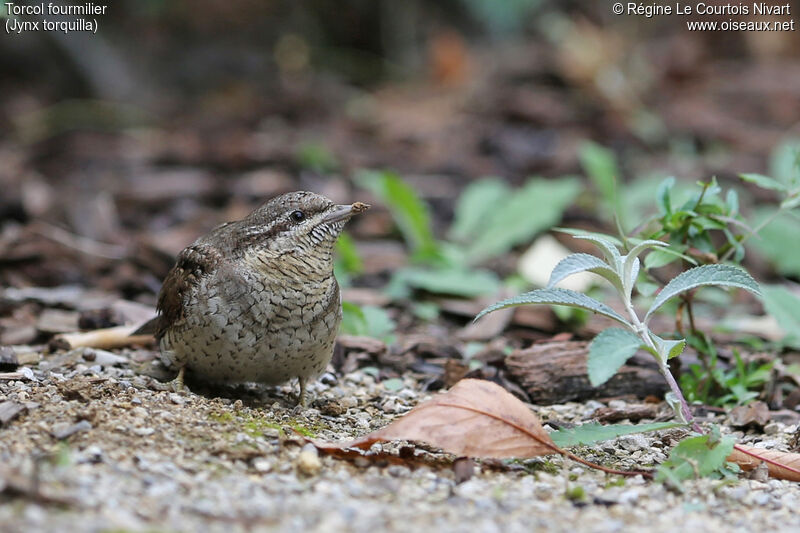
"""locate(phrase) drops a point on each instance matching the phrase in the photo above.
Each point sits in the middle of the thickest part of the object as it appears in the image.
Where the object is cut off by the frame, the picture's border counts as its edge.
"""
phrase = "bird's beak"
(344, 212)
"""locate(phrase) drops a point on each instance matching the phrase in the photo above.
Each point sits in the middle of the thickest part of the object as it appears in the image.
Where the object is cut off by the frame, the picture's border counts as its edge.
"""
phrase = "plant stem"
(676, 390)
(643, 332)
(754, 231)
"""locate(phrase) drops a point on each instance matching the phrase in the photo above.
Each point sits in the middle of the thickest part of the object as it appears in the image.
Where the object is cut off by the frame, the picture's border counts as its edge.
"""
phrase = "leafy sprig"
(612, 347)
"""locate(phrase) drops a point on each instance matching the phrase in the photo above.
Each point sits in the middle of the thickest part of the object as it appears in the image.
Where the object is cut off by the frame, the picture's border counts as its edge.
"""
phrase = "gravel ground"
(113, 451)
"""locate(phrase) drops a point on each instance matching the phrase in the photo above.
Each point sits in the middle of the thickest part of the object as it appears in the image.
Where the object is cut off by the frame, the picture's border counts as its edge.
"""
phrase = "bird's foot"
(302, 400)
(177, 384)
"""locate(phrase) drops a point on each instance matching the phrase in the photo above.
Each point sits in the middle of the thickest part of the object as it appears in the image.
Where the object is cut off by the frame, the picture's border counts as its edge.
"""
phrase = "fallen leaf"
(476, 418)
(454, 371)
(755, 415)
(781, 465)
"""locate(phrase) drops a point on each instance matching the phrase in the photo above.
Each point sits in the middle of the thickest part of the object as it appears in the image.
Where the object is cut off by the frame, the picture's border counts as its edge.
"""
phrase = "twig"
(82, 244)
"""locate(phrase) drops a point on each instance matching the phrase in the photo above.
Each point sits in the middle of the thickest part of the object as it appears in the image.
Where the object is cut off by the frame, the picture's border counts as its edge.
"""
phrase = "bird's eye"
(298, 216)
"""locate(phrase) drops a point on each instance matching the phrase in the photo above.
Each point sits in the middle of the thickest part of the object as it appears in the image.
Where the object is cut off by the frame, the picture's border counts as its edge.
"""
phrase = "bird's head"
(298, 226)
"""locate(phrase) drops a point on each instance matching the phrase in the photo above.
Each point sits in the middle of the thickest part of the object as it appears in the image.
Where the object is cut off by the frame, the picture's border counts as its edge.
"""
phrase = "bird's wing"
(194, 262)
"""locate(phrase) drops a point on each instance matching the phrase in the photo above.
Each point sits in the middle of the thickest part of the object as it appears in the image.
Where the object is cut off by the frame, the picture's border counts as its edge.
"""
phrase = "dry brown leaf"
(476, 418)
(781, 465)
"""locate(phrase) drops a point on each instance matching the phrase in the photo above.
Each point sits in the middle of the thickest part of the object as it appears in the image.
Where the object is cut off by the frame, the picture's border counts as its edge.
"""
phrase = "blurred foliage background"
(176, 115)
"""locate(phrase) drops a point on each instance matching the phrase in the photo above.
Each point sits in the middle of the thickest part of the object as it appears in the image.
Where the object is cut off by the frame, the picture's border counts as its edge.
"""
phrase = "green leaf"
(475, 205)
(667, 349)
(664, 256)
(784, 162)
(773, 239)
(347, 262)
(609, 350)
(557, 297)
(592, 432)
(534, 208)
(600, 165)
(694, 457)
(353, 320)
(631, 263)
(763, 182)
(719, 275)
(408, 210)
(791, 202)
(663, 195)
(785, 307)
(608, 247)
(367, 321)
(732, 202)
(580, 233)
(454, 281)
(575, 263)
(393, 384)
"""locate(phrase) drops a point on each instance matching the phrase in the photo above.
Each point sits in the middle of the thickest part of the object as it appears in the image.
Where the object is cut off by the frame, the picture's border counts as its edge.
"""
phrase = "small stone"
(761, 498)
(591, 406)
(262, 465)
(772, 428)
(398, 471)
(308, 462)
(64, 430)
(629, 496)
(348, 401)
(93, 454)
(143, 432)
(103, 357)
(633, 442)
(389, 406)
(179, 400)
(9, 411)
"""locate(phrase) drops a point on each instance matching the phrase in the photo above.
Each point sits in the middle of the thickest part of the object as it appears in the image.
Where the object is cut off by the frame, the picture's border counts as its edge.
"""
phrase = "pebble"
(308, 462)
(761, 498)
(103, 357)
(633, 442)
(262, 464)
(126, 482)
(348, 402)
(629, 496)
(65, 430)
(389, 406)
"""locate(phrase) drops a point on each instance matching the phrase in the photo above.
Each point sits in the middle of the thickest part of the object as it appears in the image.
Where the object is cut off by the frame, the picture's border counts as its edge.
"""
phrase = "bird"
(256, 300)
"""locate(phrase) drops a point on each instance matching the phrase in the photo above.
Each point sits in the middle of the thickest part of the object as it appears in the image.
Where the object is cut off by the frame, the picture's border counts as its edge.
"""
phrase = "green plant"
(316, 157)
(698, 456)
(348, 262)
(612, 347)
(367, 321)
(490, 219)
(724, 387)
(705, 227)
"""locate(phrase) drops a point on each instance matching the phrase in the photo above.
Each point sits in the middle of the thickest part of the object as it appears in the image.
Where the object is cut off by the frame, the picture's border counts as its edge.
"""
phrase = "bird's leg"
(301, 401)
(177, 383)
